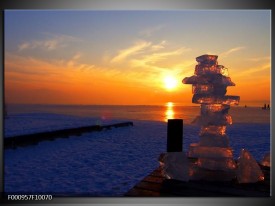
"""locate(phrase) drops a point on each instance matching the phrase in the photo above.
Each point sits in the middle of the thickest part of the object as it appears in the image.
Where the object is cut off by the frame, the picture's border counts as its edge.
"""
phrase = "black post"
(174, 135)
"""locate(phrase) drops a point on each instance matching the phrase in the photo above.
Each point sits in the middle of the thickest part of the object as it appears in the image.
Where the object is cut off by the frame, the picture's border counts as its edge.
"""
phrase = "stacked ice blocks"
(209, 86)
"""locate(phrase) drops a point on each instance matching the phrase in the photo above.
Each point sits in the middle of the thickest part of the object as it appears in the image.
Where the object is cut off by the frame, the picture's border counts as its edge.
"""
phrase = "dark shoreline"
(33, 139)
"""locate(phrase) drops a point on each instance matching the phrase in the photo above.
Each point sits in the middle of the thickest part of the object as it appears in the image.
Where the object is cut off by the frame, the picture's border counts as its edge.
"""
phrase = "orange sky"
(69, 66)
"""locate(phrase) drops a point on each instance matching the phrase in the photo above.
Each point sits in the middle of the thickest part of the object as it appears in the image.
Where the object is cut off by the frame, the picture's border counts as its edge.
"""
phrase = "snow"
(106, 163)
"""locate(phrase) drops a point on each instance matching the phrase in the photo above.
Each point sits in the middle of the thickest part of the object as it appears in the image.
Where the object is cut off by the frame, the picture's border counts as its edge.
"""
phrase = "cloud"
(73, 61)
(159, 46)
(146, 52)
(259, 59)
(151, 59)
(149, 31)
(249, 72)
(226, 53)
(35, 66)
(24, 46)
(52, 42)
(136, 48)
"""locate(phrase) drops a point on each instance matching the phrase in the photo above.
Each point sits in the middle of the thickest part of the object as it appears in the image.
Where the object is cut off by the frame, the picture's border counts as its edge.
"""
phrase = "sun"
(170, 82)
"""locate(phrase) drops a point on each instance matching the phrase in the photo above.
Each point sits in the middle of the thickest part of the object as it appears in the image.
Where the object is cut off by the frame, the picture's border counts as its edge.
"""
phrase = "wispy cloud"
(136, 48)
(51, 42)
(226, 53)
(75, 63)
(150, 30)
(150, 62)
(35, 66)
(259, 59)
(251, 71)
(152, 58)
(159, 46)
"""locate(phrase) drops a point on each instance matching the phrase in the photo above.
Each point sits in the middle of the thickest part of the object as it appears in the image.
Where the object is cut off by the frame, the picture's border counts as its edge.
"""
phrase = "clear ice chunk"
(209, 89)
(248, 170)
(176, 166)
(202, 89)
(224, 164)
(212, 130)
(205, 70)
(219, 90)
(199, 173)
(214, 141)
(195, 80)
(221, 80)
(195, 150)
(207, 59)
(213, 119)
(209, 79)
(202, 69)
(208, 99)
(266, 160)
(210, 108)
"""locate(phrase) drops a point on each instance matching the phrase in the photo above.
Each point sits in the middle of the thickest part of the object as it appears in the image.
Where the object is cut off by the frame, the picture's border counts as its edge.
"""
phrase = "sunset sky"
(132, 57)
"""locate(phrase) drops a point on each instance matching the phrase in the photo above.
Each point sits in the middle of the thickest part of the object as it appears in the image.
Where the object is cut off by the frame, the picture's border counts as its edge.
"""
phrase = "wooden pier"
(156, 185)
(32, 139)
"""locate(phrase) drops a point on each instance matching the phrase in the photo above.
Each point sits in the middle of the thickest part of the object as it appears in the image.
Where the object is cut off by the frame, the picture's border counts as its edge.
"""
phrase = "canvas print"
(168, 103)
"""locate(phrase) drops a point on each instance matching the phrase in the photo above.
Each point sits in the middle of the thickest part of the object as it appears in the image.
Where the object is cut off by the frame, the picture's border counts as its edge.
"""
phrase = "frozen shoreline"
(106, 163)
(29, 123)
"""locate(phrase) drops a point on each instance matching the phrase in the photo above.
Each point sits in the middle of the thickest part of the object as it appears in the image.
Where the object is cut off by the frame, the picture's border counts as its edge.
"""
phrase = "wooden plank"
(157, 172)
(141, 193)
(154, 179)
(149, 186)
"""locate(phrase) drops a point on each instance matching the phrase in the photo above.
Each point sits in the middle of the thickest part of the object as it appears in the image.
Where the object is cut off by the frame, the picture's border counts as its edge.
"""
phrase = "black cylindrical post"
(174, 135)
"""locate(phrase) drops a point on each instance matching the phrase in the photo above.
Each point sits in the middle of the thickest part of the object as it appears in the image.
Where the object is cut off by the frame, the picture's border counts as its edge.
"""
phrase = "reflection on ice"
(213, 119)
(217, 164)
(208, 108)
(211, 99)
(196, 150)
(212, 130)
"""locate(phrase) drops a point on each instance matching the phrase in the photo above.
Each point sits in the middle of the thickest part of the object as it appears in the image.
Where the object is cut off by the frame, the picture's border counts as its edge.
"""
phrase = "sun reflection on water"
(169, 113)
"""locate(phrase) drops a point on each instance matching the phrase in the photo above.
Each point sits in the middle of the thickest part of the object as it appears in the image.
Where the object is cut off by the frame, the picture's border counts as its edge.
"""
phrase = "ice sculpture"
(209, 86)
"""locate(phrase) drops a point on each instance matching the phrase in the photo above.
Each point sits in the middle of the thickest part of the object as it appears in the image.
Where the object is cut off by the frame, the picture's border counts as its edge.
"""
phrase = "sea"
(142, 112)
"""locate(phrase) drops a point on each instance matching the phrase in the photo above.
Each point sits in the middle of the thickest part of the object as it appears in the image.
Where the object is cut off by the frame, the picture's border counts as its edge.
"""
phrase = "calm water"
(154, 113)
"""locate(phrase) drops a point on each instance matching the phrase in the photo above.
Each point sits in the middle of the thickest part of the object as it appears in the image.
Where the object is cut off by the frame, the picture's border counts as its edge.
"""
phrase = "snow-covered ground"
(106, 163)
